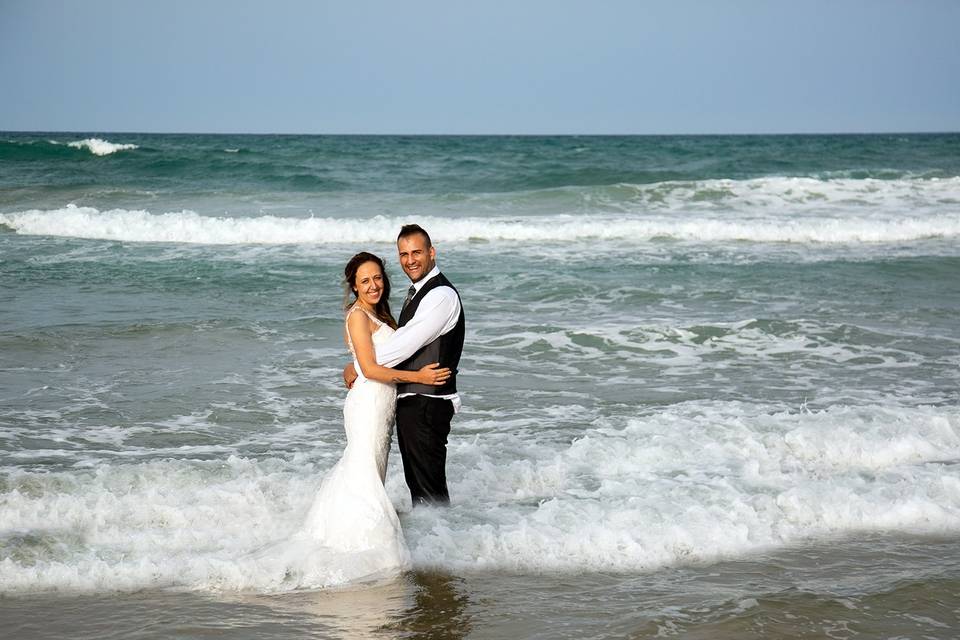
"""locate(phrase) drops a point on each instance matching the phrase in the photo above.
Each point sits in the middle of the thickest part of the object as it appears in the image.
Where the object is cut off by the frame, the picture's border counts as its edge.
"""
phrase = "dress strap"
(357, 307)
(346, 325)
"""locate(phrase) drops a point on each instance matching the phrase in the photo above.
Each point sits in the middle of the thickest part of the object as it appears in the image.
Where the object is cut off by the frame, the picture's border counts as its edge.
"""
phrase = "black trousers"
(423, 425)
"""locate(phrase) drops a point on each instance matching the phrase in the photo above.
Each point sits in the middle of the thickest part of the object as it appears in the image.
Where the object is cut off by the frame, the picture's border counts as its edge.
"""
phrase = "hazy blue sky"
(490, 66)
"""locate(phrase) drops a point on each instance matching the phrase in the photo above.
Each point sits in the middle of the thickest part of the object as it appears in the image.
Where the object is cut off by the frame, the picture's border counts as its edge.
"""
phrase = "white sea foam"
(693, 482)
(696, 483)
(793, 194)
(190, 227)
(100, 147)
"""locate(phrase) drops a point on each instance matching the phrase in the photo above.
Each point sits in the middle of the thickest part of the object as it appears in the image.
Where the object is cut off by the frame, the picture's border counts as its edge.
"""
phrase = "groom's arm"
(437, 314)
(349, 375)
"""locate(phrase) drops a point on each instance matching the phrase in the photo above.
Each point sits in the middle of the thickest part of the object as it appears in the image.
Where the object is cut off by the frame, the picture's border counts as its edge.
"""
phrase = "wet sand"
(878, 587)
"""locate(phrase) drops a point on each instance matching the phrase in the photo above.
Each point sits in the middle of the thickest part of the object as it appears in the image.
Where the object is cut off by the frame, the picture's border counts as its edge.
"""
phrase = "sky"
(487, 67)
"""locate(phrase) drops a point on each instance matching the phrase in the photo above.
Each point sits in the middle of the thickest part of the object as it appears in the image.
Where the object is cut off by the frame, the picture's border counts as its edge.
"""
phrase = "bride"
(352, 518)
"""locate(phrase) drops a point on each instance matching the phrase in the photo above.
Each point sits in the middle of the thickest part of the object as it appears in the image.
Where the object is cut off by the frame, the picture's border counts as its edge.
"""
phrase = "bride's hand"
(431, 374)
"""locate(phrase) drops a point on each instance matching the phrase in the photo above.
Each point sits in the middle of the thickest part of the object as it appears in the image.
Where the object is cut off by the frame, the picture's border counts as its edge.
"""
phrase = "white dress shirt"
(436, 315)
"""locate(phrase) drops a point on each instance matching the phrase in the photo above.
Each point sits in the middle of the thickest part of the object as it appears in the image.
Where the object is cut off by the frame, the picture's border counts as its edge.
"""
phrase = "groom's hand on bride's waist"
(349, 375)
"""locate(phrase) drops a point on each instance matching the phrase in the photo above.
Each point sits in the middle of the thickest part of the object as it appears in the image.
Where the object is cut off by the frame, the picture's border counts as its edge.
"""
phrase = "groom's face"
(416, 258)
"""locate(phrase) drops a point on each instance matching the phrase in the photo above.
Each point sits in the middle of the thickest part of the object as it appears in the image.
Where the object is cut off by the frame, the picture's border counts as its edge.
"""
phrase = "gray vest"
(446, 349)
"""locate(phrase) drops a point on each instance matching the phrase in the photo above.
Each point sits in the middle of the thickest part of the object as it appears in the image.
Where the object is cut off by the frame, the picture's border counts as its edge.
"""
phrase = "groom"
(431, 329)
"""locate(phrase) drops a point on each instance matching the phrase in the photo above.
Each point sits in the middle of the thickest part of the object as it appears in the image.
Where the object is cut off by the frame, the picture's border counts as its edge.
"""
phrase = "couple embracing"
(404, 370)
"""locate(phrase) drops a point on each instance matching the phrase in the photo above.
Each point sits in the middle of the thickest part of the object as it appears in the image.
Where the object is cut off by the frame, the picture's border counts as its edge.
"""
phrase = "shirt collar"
(422, 281)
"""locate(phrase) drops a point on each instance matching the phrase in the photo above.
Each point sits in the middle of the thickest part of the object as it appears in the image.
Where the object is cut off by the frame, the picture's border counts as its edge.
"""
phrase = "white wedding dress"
(352, 512)
(351, 532)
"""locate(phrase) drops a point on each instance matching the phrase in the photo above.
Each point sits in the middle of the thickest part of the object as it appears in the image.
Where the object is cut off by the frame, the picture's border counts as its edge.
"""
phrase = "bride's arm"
(359, 327)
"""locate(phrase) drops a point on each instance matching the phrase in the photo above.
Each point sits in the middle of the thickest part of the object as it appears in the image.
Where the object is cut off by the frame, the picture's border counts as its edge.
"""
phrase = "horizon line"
(483, 135)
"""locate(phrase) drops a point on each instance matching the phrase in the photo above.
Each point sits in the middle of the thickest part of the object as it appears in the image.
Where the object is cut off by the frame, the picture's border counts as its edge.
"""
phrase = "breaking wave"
(190, 227)
(100, 147)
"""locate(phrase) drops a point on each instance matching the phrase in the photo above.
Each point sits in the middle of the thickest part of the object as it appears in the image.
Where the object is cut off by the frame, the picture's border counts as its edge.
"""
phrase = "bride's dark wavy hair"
(382, 310)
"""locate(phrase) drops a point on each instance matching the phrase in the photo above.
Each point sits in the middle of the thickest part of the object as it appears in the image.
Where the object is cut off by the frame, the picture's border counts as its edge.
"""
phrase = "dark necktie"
(412, 291)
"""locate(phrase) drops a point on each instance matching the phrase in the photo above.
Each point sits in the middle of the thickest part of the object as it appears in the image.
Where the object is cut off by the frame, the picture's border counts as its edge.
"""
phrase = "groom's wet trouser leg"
(423, 425)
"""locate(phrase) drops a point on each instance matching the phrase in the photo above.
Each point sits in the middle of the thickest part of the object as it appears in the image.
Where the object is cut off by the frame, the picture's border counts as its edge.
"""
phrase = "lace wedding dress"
(351, 531)
(352, 511)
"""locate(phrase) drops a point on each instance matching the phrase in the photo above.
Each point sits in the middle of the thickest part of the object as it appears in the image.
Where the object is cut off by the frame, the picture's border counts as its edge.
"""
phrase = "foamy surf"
(189, 227)
(694, 483)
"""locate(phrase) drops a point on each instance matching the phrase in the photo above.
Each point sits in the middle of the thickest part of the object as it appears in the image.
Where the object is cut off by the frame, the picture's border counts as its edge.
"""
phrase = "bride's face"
(369, 284)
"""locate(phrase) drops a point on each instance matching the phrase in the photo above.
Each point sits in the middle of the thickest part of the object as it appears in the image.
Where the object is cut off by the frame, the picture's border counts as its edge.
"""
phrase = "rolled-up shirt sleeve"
(436, 315)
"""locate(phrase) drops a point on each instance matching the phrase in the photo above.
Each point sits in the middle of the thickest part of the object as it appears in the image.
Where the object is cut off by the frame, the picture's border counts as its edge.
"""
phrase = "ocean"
(710, 383)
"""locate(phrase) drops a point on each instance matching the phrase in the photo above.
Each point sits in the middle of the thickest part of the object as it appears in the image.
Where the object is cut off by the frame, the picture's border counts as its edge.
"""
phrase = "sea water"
(710, 384)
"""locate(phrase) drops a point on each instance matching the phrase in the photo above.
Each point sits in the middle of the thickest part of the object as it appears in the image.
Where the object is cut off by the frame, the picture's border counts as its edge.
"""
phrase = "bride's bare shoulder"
(360, 321)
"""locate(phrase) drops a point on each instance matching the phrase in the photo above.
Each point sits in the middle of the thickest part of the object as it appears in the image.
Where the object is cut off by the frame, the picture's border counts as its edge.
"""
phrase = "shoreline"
(853, 586)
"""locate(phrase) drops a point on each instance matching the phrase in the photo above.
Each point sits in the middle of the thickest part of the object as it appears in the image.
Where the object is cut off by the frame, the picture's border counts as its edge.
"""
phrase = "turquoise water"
(728, 362)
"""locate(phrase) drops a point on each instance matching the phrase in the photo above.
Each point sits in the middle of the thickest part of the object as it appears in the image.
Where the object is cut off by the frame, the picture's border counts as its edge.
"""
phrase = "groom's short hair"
(413, 229)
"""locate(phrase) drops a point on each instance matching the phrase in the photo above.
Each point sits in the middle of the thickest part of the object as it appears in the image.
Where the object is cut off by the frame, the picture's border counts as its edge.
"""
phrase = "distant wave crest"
(100, 147)
(190, 227)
